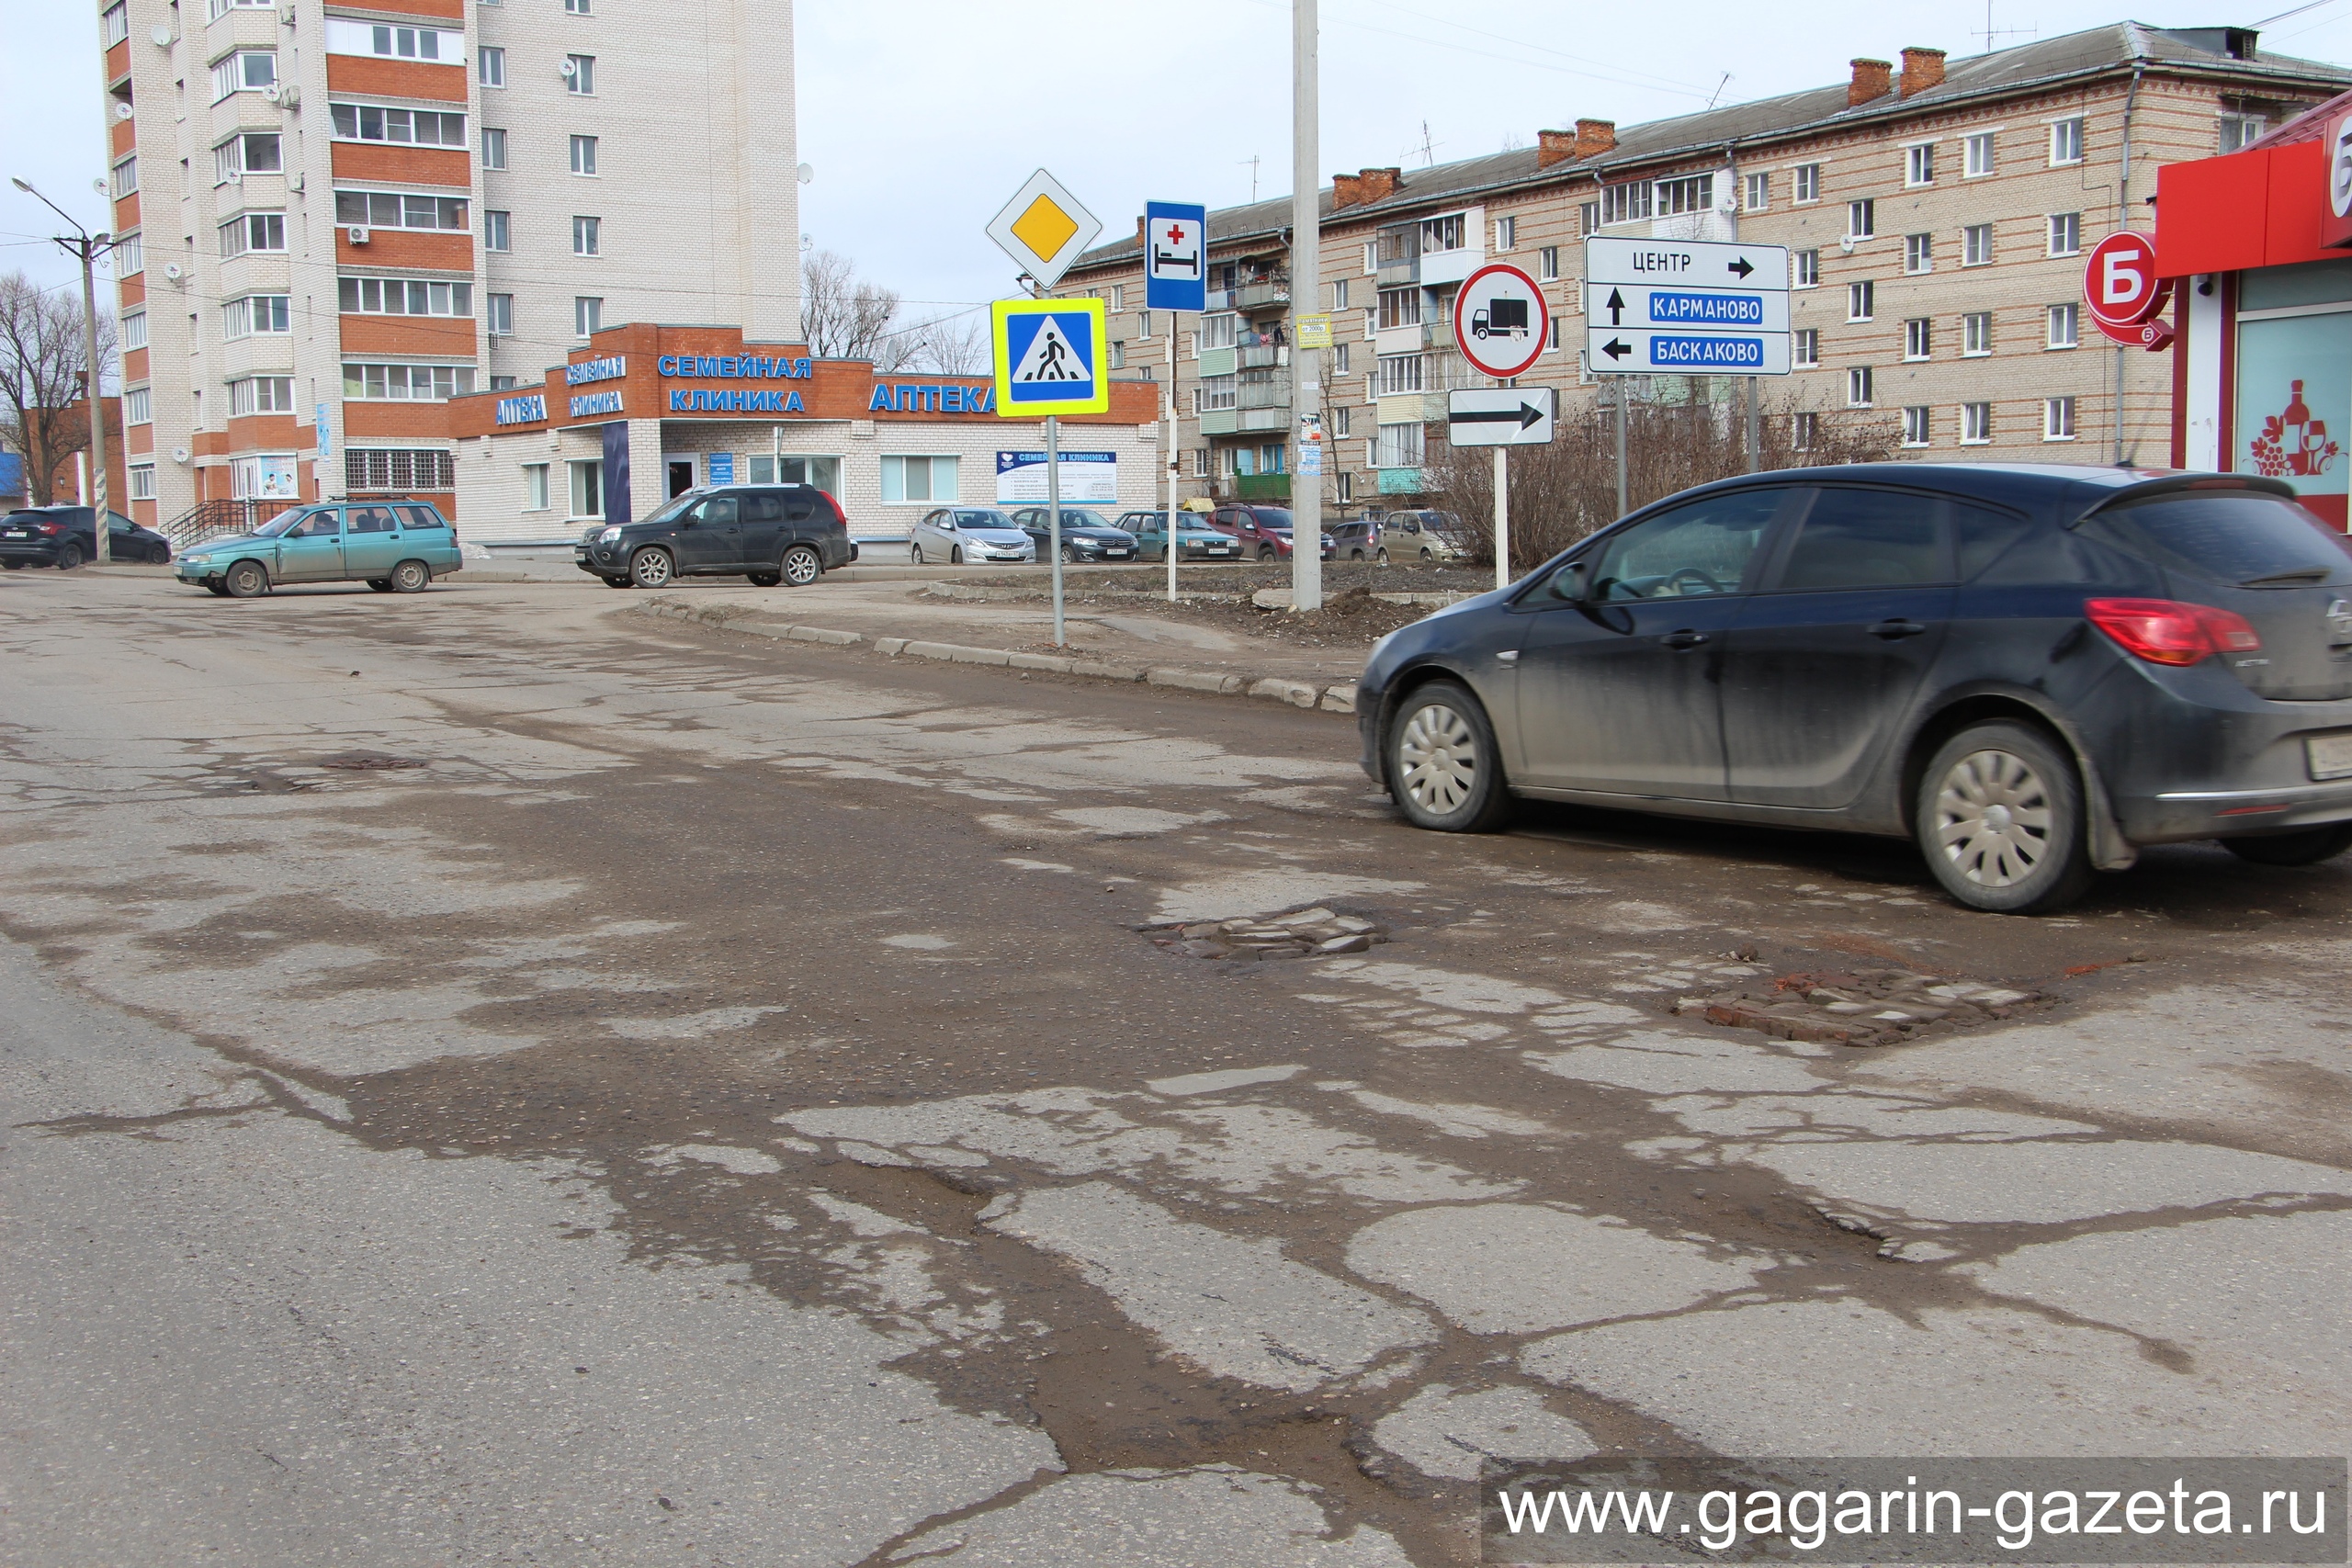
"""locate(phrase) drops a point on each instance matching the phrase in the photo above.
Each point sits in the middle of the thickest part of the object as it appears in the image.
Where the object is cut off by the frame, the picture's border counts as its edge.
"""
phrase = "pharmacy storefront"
(646, 412)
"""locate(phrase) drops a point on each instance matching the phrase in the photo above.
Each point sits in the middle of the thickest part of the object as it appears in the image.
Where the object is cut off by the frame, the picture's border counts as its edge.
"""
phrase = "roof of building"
(2045, 63)
(2309, 126)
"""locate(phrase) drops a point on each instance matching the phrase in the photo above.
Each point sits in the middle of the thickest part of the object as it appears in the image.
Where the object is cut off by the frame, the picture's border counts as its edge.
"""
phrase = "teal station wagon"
(393, 547)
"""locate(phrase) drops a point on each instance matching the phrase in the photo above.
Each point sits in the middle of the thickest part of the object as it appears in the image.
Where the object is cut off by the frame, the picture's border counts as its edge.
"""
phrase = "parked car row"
(65, 536)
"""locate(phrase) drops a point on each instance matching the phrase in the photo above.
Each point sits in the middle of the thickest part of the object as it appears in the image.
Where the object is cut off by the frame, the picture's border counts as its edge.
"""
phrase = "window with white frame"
(1218, 331)
(1975, 423)
(1446, 233)
(252, 232)
(1805, 432)
(1548, 264)
(1399, 447)
(130, 255)
(1342, 420)
(1339, 294)
(1200, 462)
(1862, 219)
(1977, 334)
(2065, 326)
(444, 46)
(1119, 355)
(580, 74)
(501, 383)
(253, 152)
(2067, 142)
(125, 177)
(1918, 423)
(395, 469)
(1143, 322)
(407, 383)
(134, 330)
(246, 71)
(1506, 233)
(1977, 245)
(1400, 308)
(1862, 301)
(139, 406)
(403, 297)
(587, 236)
(1919, 337)
(1399, 373)
(576, 7)
(1758, 195)
(1806, 265)
(261, 394)
(916, 479)
(493, 148)
(535, 486)
(1339, 359)
(1214, 394)
(1625, 203)
(1693, 193)
(1371, 257)
(114, 25)
(1858, 387)
(1919, 164)
(1552, 338)
(2058, 419)
(1976, 159)
(584, 154)
(142, 481)
(491, 66)
(496, 231)
(1918, 252)
(1804, 348)
(587, 314)
(2065, 233)
(257, 313)
(588, 487)
(221, 8)
(499, 318)
(409, 128)
(1804, 184)
(2241, 131)
(1345, 483)
(1588, 219)
(391, 209)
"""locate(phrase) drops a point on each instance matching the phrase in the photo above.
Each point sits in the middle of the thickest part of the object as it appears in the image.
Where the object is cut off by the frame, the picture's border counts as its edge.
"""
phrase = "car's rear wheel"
(246, 580)
(69, 558)
(1445, 772)
(381, 584)
(618, 582)
(1381, 555)
(2000, 819)
(763, 579)
(802, 566)
(2309, 847)
(411, 576)
(216, 588)
(651, 566)
(915, 551)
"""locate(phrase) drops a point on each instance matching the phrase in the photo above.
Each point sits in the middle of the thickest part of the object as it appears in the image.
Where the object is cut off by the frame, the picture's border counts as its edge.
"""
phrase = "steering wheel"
(1711, 585)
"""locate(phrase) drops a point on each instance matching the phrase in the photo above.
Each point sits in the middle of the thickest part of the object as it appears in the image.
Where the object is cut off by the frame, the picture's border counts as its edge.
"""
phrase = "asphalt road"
(684, 1099)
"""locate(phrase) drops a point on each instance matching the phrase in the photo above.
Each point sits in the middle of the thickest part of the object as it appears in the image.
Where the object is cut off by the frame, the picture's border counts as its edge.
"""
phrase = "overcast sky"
(921, 116)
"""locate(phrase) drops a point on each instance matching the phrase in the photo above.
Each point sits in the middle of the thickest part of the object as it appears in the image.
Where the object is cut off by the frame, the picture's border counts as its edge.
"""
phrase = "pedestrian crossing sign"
(1049, 357)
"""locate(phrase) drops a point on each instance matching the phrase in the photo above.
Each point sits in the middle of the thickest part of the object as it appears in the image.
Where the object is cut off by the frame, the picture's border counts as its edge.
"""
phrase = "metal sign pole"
(1175, 458)
(1754, 427)
(1054, 514)
(1621, 446)
(1502, 517)
(1306, 293)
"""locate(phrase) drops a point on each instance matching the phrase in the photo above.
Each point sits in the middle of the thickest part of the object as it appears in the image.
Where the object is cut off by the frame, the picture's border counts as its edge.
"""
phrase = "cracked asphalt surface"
(725, 1106)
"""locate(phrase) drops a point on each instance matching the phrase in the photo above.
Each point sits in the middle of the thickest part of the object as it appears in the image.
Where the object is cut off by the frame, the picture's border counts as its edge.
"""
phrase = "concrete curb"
(1296, 694)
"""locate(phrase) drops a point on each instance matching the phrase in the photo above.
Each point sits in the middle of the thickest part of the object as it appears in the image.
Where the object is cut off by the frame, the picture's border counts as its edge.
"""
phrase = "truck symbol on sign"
(1501, 318)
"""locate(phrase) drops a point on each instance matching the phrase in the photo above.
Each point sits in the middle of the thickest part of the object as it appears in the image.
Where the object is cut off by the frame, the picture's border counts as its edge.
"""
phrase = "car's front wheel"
(618, 582)
(411, 576)
(651, 568)
(1266, 553)
(763, 579)
(802, 566)
(2309, 847)
(1381, 555)
(246, 580)
(2000, 819)
(954, 555)
(1069, 554)
(1445, 772)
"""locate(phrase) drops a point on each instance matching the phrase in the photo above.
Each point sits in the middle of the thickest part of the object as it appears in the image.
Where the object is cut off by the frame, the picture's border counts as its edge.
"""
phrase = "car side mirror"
(1569, 583)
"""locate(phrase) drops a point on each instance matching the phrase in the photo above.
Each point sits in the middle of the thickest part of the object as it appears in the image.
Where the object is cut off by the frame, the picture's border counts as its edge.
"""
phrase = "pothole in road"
(1858, 1006)
(1319, 932)
(370, 762)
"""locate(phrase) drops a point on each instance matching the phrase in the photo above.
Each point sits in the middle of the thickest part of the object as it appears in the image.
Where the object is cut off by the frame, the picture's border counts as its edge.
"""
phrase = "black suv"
(2029, 670)
(64, 537)
(770, 534)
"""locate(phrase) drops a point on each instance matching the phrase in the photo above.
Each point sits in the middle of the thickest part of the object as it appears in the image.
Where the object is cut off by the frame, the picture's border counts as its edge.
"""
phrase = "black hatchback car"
(2030, 670)
(64, 537)
(770, 534)
(1085, 535)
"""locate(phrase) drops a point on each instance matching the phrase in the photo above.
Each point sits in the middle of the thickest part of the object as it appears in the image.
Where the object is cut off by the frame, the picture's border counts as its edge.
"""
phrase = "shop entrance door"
(678, 476)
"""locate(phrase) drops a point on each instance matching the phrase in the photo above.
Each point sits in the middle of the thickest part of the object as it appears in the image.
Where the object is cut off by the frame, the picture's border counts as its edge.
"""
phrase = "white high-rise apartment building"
(336, 217)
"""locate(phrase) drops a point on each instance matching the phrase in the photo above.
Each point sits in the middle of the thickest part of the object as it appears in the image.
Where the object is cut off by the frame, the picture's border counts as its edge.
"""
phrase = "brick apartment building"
(1937, 213)
(336, 217)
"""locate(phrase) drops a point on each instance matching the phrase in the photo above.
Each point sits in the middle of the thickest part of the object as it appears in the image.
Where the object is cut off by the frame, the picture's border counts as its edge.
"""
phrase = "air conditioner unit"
(358, 233)
(294, 182)
(289, 95)
(285, 14)
(271, 92)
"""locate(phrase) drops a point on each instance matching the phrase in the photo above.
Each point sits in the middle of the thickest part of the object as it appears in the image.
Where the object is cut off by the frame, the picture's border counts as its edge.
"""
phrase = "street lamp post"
(1305, 297)
(87, 246)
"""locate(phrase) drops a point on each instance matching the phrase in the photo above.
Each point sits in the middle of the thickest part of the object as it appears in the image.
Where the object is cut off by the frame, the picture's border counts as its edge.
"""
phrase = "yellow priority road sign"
(1049, 357)
(1043, 229)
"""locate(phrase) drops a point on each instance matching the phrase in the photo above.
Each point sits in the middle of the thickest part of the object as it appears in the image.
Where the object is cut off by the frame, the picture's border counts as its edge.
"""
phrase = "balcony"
(1264, 391)
(1220, 421)
(1262, 419)
(1256, 296)
(1217, 361)
(1400, 481)
(1258, 357)
(1261, 487)
(1399, 255)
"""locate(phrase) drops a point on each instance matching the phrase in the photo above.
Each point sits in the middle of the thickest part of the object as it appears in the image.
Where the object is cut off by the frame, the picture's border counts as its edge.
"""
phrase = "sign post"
(1048, 361)
(1501, 323)
(1175, 280)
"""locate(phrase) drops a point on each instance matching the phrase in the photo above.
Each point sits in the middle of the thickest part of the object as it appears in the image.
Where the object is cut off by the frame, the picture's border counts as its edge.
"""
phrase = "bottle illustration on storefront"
(2292, 442)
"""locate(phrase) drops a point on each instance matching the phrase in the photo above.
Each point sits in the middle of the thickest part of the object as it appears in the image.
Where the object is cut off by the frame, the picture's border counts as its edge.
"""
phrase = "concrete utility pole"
(87, 246)
(1306, 293)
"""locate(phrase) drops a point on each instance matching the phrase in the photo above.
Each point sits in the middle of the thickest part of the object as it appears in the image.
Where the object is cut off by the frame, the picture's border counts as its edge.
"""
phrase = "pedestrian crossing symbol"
(1048, 357)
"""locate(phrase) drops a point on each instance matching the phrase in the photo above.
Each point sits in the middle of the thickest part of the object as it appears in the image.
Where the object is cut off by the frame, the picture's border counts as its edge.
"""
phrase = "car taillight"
(839, 515)
(2166, 631)
(51, 528)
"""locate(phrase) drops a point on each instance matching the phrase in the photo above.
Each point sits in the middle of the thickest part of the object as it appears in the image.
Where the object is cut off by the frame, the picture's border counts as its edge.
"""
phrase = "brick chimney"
(1873, 79)
(1555, 147)
(1922, 69)
(1140, 222)
(1595, 137)
(1347, 190)
(1379, 185)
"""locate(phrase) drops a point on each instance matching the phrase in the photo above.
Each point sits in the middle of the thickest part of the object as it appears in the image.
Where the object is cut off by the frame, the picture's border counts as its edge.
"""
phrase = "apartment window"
(1862, 219)
(1371, 257)
(1625, 203)
(403, 297)
(407, 383)
(254, 152)
(1339, 295)
(495, 227)
(130, 255)
(1807, 432)
(1977, 334)
(2065, 326)
(253, 232)
(1442, 233)
(587, 314)
(2065, 233)
(535, 486)
(580, 73)
(1918, 252)
(1975, 423)
(1214, 394)
(1346, 483)
(1551, 339)
(1808, 269)
(501, 315)
(588, 487)
(2241, 131)
(265, 313)
(1804, 348)
(1978, 155)
(114, 24)
(1118, 297)
(1693, 194)
(1588, 219)
(422, 127)
(1862, 301)
(1218, 331)
(1858, 387)
(575, 7)
(491, 66)
(1919, 337)
(1916, 424)
(1506, 233)
(2058, 419)
(344, 36)
(384, 209)
(1400, 308)
(1547, 263)
(395, 470)
(1340, 357)
(587, 236)
(584, 154)
(139, 406)
(1919, 164)
(142, 481)
(125, 177)
(919, 480)
(1399, 446)
(1119, 356)
(1341, 420)
(1201, 456)
(247, 71)
(134, 330)
(2067, 142)
(1399, 373)
(1977, 245)
(501, 383)
(261, 394)
(494, 149)
(1371, 320)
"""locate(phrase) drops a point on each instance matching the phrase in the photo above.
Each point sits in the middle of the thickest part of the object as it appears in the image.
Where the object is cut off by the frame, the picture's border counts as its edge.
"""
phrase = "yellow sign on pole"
(1314, 332)
(1049, 357)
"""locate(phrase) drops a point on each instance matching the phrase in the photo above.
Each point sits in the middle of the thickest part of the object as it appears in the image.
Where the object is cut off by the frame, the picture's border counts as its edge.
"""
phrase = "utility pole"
(1306, 293)
(87, 246)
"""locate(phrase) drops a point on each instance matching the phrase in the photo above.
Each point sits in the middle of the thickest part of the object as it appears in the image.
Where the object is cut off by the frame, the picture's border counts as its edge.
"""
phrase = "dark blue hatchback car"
(2030, 670)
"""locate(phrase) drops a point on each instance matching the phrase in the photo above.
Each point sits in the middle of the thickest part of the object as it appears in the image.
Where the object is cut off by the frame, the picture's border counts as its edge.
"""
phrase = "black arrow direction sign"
(1616, 350)
(1524, 415)
(1616, 308)
(1740, 267)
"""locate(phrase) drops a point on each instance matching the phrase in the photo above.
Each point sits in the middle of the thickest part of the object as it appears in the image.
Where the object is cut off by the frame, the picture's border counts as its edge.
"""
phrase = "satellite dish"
(173, 272)
(270, 95)
(808, 173)
(179, 453)
(122, 111)
(101, 186)
(163, 37)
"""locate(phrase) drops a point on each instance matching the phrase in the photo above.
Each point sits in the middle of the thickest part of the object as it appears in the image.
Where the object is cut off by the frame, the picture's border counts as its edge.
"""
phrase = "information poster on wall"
(1089, 479)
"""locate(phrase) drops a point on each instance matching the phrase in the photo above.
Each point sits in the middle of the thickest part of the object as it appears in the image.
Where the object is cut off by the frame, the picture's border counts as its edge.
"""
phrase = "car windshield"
(996, 520)
(676, 507)
(279, 524)
(2247, 538)
(1273, 519)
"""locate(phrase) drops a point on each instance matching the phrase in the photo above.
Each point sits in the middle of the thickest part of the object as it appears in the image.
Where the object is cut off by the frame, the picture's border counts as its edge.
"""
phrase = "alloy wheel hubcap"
(1439, 757)
(1994, 817)
(656, 570)
(800, 568)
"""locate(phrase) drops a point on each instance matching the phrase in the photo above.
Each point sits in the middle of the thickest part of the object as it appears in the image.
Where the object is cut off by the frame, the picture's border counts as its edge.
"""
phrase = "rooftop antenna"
(1429, 148)
(1719, 90)
(1253, 162)
(1992, 32)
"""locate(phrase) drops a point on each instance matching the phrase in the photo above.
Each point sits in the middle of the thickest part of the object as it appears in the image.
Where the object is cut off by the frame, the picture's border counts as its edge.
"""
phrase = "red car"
(1264, 531)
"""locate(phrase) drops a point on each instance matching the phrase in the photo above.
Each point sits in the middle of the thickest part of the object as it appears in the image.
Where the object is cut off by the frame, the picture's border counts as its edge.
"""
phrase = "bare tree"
(41, 373)
(947, 345)
(842, 316)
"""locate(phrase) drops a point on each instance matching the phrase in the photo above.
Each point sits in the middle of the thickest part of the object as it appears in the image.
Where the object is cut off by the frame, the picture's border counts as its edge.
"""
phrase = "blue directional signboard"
(1175, 256)
(1686, 307)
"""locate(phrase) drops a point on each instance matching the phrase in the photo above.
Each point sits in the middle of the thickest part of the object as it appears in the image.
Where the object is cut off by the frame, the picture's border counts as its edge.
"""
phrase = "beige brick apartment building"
(1937, 214)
